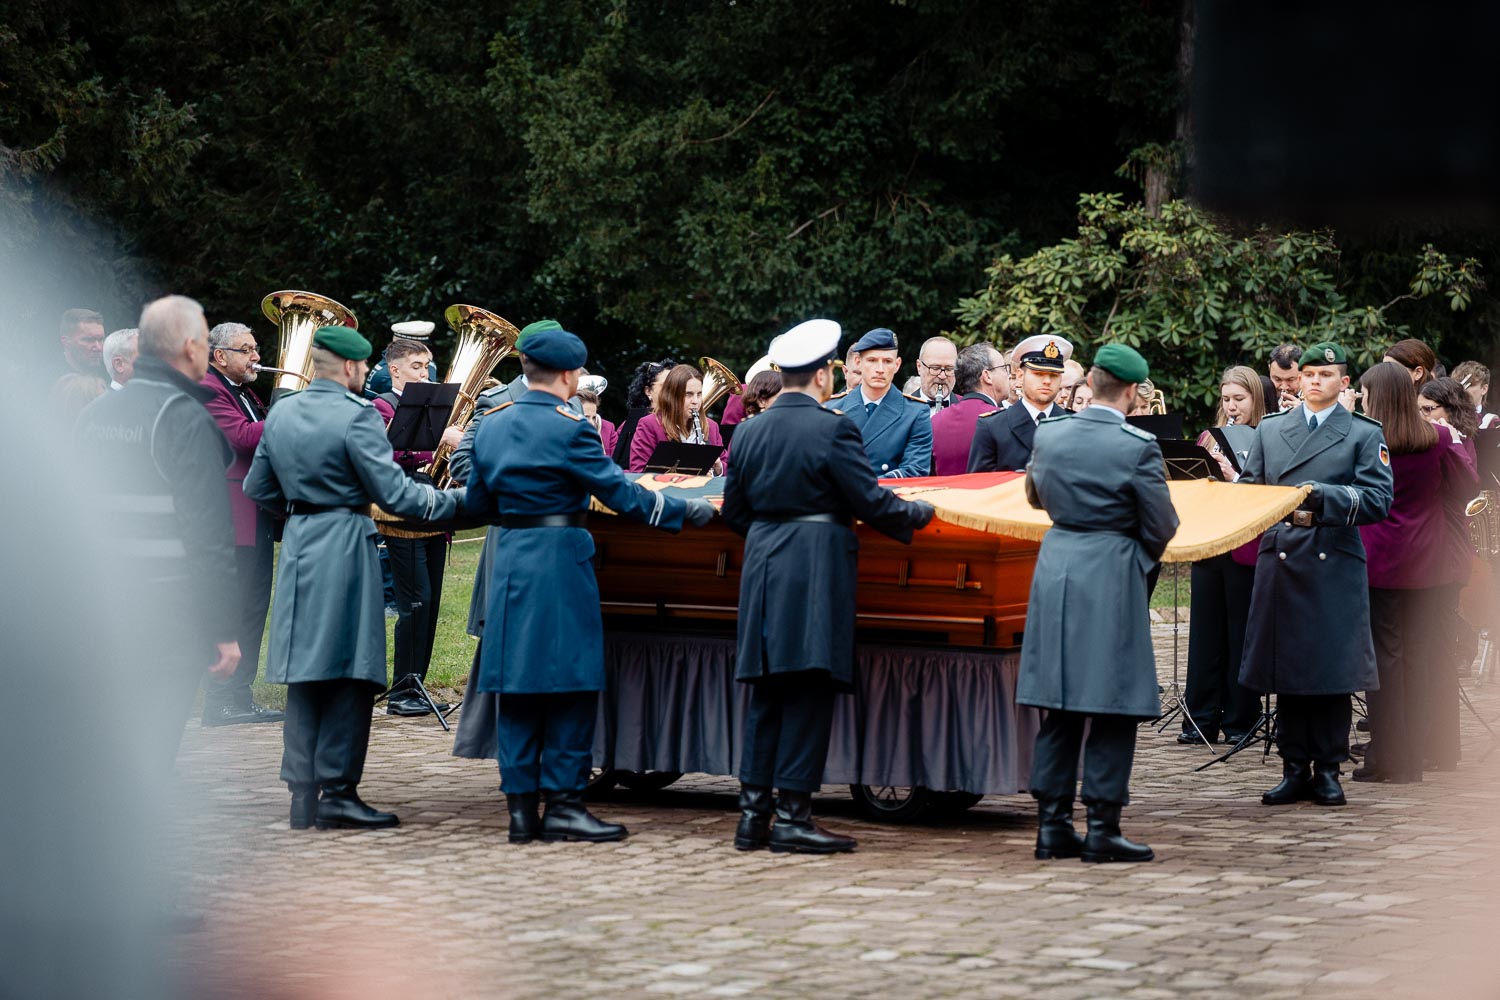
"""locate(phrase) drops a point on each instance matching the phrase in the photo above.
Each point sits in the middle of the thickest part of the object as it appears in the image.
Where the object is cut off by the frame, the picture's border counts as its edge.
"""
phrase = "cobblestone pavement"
(1392, 896)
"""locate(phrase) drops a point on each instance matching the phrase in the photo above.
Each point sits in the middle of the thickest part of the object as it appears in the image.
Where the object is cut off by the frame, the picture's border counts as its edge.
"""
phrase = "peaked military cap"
(344, 342)
(1042, 353)
(807, 346)
(413, 329)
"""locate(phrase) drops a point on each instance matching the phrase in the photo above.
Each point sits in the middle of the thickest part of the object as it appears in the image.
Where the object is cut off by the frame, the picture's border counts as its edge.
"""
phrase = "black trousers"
(253, 567)
(1108, 757)
(1400, 623)
(546, 741)
(1216, 700)
(327, 732)
(1439, 688)
(417, 576)
(787, 727)
(1313, 727)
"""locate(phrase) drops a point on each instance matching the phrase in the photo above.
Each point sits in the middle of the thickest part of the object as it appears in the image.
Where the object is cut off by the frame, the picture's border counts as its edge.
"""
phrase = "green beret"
(537, 327)
(344, 342)
(556, 349)
(1122, 362)
(1326, 353)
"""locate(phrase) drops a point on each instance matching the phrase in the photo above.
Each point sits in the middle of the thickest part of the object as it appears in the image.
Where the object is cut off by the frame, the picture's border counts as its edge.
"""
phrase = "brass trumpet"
(718, 382)
(297, 316)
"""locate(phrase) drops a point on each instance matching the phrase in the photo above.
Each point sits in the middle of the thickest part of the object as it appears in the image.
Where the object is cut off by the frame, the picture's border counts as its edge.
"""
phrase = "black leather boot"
(525, 817)
(1105, 842)
(1325, 789)
(567, 819)
(341, 808)
(304, 806)
(795, 832)
(756, 806)
(1296, 783)
(1055, 836)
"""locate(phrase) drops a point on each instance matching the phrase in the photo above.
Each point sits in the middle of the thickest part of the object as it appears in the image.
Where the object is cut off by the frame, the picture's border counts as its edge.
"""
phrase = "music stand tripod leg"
(413, 684)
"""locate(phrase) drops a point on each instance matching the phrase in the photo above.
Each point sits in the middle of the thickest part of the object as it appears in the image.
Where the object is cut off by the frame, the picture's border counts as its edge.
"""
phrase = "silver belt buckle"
(1302, 518)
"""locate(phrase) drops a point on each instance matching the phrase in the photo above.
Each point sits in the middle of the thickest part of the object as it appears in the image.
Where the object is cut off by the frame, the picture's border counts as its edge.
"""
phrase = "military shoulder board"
(565, 412)
(1132, 429)
(497, 409)
(1361, 416)
(362, 401)
(989, 413)
(839, 395)
(1056, 417)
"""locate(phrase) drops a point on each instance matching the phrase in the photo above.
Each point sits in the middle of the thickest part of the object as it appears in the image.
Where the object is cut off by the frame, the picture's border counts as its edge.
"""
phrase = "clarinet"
(697, 428)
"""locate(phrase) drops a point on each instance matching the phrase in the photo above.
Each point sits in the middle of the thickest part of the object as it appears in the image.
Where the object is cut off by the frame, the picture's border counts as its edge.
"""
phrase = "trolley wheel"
(601, 780)
(954, 802)
(891, 803)
(646, 781)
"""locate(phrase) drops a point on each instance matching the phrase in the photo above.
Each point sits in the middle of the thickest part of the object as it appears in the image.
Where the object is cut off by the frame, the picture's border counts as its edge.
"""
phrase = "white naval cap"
(594, 383)
(810, 344)
(1045, 353)
(413, 329)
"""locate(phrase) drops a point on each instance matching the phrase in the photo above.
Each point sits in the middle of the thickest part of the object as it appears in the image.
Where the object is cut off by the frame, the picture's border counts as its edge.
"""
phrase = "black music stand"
(422, 415)
(418, 425)
(681, 458)
(1166, 426)
(1184, 460)
(1188, 460)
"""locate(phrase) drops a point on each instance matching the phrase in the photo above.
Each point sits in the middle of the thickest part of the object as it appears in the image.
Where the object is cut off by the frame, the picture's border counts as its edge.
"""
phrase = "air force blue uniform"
(897, 433)
(543, 646)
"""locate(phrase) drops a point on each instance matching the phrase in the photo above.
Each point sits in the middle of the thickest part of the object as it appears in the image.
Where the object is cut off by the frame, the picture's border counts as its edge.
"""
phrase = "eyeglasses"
(1429, 409)
(937, 369)
(239, 350)
(1004, 365)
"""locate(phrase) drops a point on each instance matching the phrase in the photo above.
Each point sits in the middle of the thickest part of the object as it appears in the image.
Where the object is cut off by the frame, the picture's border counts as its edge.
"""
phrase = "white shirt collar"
(867, 400)
(115, 385)
(1320, 415)
(1032, 410)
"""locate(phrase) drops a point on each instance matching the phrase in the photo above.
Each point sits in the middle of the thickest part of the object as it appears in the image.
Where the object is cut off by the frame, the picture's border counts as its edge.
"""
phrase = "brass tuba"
(1155, 399)
(297, 316)
(484, 339)
(718, 382)
(1483, 513)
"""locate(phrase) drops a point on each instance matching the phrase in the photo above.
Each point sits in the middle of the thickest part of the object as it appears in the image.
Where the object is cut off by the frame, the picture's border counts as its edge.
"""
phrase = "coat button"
(1322, 555)
(1281, 555)
(886, 467)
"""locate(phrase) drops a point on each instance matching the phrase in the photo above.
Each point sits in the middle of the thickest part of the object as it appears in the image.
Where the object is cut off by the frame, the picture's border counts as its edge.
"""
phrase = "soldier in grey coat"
(1310, 579)
(324, 459)
(1086, 656)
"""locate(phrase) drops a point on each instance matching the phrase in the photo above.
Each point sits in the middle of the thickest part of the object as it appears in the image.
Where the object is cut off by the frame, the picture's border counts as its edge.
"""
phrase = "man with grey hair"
(160, 462)
(120, 350)
(982, 382)
(937, 362)
(240, 414)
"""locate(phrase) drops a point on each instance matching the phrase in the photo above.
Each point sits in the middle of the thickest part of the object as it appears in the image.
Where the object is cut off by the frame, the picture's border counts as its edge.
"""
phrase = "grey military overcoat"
(1309, 625)
(327, 446)
(1087, 645)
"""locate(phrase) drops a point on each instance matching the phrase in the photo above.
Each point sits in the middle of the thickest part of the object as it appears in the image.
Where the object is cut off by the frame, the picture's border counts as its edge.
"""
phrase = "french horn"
(297, 316)
(718, 382)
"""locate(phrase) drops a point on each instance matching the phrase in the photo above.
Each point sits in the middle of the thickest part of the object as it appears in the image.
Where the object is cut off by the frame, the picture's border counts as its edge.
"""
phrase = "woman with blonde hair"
(1215, 700)
(675, 416)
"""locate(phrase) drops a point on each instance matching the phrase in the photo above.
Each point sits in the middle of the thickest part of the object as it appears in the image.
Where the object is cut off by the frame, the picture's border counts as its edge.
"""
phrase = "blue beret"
(342, 341)
(878, 339)
(556, 349)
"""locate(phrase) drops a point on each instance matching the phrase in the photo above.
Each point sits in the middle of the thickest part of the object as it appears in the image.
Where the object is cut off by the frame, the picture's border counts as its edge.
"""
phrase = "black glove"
(927, 510)
(1316, 496)
(698, 513)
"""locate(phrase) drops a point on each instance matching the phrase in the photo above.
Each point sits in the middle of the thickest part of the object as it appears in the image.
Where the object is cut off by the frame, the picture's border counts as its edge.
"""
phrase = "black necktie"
(870, 409)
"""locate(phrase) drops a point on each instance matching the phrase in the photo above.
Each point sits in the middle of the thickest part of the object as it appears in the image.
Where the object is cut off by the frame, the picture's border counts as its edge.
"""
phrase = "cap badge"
(1051, 351)
(1328, 355)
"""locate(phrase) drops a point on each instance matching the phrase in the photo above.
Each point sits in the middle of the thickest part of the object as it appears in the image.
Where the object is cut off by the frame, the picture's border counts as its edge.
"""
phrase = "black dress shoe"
(228, 715)
(1055, 835)
(261, 713)
(411, 705)
(1189, 736)
(1233, 739)
(795, 832)
(1325, 789)
(566, 819)
(1295, 786)
(304, 806)
(341, 808)
(1105, 843)
(756, 808)
(525, 817)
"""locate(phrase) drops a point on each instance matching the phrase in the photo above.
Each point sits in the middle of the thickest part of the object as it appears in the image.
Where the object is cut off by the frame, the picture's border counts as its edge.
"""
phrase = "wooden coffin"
(952, 586)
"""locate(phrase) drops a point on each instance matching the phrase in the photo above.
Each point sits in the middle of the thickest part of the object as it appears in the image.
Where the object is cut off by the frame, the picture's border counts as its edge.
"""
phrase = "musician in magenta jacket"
(241, 417)
(673, 419)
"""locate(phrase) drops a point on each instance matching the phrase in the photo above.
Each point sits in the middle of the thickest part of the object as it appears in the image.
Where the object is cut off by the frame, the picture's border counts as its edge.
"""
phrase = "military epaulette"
(565, 412)
(989, 413)
(497, 409)
(1279, 413)
(1056, 417)
(839, 395)
(1130, 428)
(362, 401)
(1361, 416)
